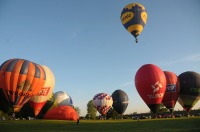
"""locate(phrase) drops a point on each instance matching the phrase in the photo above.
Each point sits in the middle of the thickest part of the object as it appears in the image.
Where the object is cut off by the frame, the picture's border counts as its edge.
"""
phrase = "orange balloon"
(21, 80)
(61, 113)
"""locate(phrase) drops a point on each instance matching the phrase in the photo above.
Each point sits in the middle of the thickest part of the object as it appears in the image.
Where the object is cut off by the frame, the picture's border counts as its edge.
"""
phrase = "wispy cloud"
(127, 84)
(194, 57)
(189, 58)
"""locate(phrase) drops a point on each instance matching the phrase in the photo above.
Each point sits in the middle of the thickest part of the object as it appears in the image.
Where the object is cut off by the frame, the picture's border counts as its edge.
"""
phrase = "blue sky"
(89, 50)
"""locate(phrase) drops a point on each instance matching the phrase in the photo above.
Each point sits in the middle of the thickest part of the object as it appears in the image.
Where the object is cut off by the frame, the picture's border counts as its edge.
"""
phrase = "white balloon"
(102, 102)
(38, 101)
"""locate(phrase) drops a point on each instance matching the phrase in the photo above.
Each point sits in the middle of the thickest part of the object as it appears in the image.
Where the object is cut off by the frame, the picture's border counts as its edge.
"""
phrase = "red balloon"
(172, 90)
(61, 113)
(150, 83)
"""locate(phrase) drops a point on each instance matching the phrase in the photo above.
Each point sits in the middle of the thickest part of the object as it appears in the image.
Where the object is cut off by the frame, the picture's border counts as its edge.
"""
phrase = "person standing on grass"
(77, 121)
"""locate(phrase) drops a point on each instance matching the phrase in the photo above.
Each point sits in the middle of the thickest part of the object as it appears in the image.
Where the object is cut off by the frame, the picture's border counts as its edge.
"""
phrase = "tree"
(4, 104)
(112, 114)
(134, 113)
(78, 111)
(162, 108)
(91, 111)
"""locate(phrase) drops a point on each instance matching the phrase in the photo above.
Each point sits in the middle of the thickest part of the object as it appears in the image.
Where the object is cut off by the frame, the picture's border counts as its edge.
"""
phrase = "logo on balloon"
(125, 102)
(195, 90)
(126, 17)
(156, 88)
(171, 88)
(43, 92)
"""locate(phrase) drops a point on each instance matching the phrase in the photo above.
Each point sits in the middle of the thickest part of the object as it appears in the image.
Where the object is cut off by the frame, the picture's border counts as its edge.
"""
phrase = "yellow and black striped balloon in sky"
(134, 18)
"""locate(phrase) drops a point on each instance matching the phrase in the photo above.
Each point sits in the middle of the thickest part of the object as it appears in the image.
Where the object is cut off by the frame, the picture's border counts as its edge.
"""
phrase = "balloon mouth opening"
(154, 108)
(16, 108)
(135, 34)
(171, 110)
(187, 107)
(36, 113)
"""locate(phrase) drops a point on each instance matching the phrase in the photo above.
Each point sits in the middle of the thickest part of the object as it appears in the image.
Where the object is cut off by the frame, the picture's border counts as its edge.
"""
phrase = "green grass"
(156, 125)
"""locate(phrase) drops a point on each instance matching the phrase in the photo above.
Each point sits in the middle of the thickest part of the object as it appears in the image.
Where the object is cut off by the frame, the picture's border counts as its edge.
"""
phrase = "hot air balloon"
(61, 98)
(120, 101)
(62, 113)
(21, 80)
(150, 83)
(172, 90)
(102, 102)
(189, 93)
(38, 101)
(134, 18)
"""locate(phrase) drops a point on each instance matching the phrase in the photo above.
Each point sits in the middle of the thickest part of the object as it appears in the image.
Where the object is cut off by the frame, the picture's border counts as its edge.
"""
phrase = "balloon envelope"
(189, 89)
(61, 113)
(21, 80)
(172, 90)
(38, 101)
(62, 98)
(150, 83)
(102, 102)
(120, 101)
(134, 18)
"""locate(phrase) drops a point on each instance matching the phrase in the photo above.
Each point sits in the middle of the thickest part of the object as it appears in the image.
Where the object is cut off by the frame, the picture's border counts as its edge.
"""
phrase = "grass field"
(191, 124)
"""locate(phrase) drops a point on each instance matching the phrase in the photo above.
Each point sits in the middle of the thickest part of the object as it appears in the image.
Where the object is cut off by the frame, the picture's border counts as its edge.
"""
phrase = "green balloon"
(189, 89)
